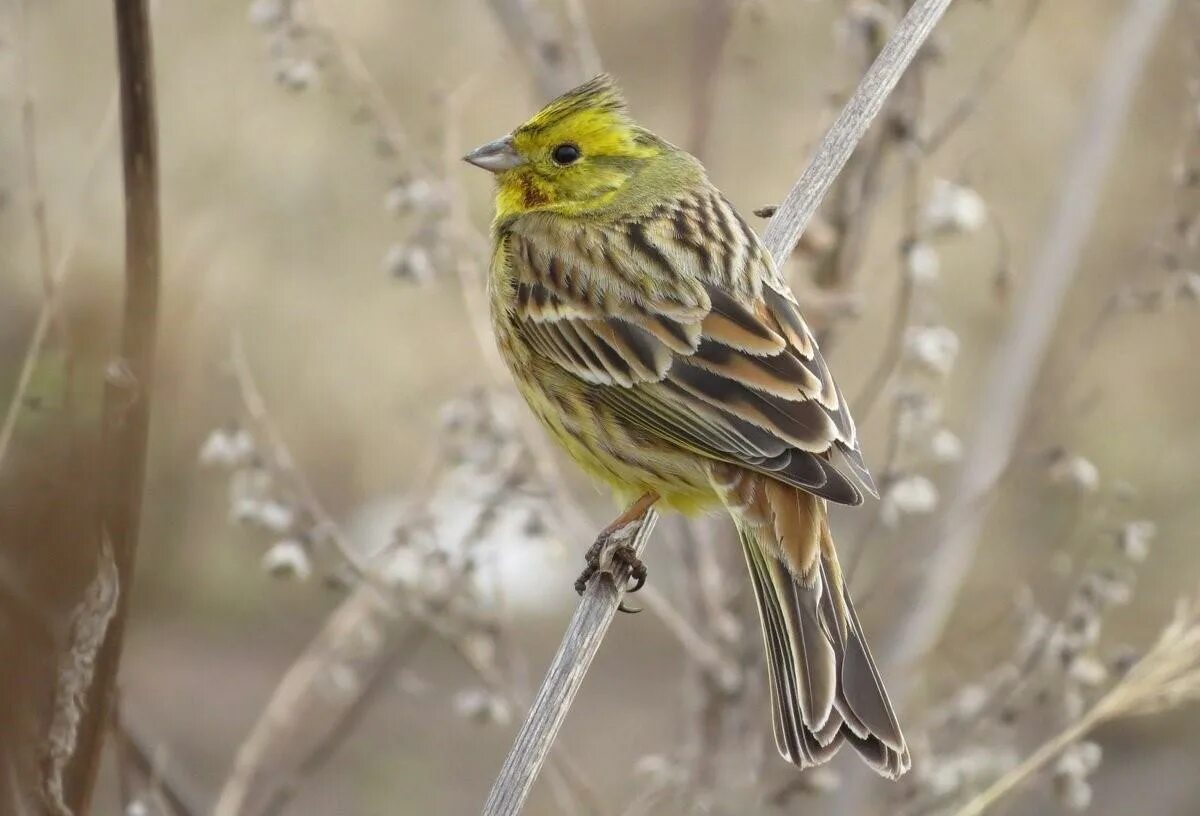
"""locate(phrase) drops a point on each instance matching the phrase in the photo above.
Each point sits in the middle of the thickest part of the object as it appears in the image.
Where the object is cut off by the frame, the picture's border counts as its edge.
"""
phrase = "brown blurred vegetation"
(274, 225)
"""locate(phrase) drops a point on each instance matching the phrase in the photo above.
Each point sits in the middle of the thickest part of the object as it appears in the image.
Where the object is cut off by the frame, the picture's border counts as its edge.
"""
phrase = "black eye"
(565, 154)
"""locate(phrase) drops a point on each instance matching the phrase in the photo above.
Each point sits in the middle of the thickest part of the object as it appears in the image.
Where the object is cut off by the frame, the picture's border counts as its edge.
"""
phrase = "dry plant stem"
(62, 266)
(1018, 357)
(855, 196)
(128, 380)
(585, 44)
(371, 93)
(37, 198)
(1031, 764)
(543, 45)
(1167, 676)
(285, 463)
(140, 757)
(563, 679)
(404, 649)
(988, 76)
(848, 129)
(714, 23)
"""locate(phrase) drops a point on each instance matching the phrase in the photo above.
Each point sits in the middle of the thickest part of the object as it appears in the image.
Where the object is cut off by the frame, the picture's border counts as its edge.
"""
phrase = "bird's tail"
(825, 688)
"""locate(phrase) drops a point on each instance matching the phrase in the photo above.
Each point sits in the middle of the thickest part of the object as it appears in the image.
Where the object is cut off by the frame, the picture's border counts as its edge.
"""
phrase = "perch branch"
(565, 676)
(599, 604)
(129, 377)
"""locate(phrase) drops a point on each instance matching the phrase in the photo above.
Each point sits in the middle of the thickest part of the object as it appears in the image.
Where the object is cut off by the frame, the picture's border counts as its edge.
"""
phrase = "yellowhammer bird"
(652, 335)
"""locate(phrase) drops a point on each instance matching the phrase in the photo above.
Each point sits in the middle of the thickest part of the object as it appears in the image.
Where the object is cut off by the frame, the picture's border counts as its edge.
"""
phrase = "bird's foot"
(612, 549)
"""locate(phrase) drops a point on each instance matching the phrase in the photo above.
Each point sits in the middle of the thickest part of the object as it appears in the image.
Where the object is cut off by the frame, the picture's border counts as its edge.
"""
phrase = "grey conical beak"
(496, 156)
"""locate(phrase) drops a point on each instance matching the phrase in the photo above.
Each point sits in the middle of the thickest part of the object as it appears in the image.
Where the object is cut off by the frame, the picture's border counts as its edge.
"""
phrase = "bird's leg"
(618, 533)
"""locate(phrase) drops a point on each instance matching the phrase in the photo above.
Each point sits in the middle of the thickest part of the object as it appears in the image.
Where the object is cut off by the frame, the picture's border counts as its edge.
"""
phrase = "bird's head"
(574, 157)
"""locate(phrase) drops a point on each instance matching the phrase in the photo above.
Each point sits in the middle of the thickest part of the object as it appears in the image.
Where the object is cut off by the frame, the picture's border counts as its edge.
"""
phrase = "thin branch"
(543, 44)
(133, 746)
(987, 78)
(1018, 357)
(62, 267)
(714, 23)
(585, 44)
(284, 463)
(565, 676)
(129, 378)
(37, 196)
(851, 125)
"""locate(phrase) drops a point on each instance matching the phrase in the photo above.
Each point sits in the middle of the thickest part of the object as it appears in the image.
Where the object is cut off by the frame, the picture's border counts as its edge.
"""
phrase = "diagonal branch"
(563, 679)
(599, 604)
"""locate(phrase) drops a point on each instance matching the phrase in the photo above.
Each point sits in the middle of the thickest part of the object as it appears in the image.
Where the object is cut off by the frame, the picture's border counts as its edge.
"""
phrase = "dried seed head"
(1076, 472)
(409, 195)
(921, 263)
(953, 208)
(1134, 539)
(412, 263)
(910, 495)
(267, 13)
(1184, 286)
(1074, 793)
(945, 446)
(1088, 671)
(288, 559)
(932, 348)
(228, 447)
(297, 74)
(482, 706)
(275, 517)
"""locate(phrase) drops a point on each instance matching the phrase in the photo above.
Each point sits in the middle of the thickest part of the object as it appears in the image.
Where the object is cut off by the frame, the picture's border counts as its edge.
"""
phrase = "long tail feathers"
(825, 688)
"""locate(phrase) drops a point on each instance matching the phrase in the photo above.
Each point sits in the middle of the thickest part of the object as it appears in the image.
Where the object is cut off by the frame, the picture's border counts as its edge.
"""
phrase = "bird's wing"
(682, 326)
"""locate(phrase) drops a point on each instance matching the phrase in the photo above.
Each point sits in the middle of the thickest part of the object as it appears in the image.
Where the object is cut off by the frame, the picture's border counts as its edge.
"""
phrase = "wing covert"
(696, 342)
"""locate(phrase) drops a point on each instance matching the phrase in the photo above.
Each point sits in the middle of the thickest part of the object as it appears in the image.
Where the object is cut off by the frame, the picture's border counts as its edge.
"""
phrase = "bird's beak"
(496, 156)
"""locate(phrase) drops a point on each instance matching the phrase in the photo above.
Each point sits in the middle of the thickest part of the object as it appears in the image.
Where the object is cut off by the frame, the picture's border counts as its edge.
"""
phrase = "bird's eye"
(565, 154)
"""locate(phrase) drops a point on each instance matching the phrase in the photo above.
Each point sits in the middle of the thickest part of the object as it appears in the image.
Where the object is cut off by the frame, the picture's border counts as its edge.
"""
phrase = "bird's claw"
(625, 555)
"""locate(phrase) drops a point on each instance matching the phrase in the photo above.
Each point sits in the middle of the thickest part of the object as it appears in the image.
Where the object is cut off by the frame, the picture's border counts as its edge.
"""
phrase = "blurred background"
(321, 292)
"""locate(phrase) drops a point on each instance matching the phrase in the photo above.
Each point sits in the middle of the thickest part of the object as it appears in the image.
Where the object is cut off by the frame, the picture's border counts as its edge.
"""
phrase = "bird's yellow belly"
(632, 464)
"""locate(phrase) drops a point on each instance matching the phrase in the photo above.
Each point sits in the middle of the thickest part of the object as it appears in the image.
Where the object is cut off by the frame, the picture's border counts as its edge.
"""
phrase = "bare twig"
(128, 379)
(133, 746)
(544, 45)
(279, 749)
(714, 22)
(993, 68)
(284, 462)
(58, 276)
(564, 677)
(806, 195)
(37, 197)
(585, 44)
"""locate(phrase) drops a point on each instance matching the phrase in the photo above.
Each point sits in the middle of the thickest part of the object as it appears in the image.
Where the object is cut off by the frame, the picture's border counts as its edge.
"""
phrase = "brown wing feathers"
(751, 370)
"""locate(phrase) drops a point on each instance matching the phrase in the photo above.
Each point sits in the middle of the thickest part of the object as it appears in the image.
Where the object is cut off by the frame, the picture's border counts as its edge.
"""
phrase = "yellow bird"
(655, 339)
